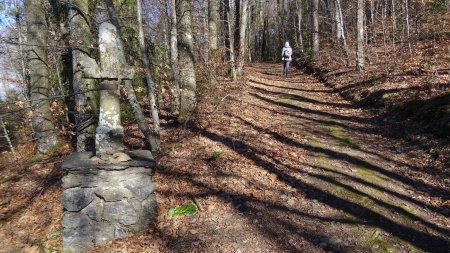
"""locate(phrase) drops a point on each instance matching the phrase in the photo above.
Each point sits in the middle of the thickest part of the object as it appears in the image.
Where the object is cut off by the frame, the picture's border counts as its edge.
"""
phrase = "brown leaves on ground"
(278, 165)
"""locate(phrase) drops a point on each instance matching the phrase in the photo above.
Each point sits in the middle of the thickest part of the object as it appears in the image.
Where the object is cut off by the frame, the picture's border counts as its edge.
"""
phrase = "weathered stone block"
(121, 212)
(75, 199)
(78, 239)
(103, 232)
(140, 185)
(75, 220)
(111, 194)
(94, 210)
(71, 181)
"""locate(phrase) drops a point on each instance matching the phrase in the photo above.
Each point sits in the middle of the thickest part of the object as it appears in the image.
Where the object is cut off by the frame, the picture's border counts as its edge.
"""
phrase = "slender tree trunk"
(188, 83)
(231, 39)
(25, 86)
(5, 132)
(25, 81)
(148, 77)
(86, 104)
(42, 117)
(315, 28)
(242, 32)
(61, 88)
(372, 21)
(174, 59)
(213, 14)
(360, 36)
(237, 27)
(385, 39)
(339, 20)
(151, 139)
(264, 37)
(299, 4)
(408, 34)
(394, 29)
(340, 29)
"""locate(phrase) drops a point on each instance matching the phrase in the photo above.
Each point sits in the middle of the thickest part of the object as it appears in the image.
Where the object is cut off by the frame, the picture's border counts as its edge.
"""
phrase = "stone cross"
(112, 70)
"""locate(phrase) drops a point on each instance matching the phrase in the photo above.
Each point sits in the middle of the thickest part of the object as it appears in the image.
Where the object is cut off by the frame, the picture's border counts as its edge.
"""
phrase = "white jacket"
(288, 49)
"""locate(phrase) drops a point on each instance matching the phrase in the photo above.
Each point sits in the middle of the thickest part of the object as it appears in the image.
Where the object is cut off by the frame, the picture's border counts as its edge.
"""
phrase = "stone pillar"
(111, 194)
(112, 70)
(109, 133)
(106, 200)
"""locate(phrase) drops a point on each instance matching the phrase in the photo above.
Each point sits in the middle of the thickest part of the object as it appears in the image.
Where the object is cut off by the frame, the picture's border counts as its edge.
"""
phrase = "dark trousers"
(286, 67)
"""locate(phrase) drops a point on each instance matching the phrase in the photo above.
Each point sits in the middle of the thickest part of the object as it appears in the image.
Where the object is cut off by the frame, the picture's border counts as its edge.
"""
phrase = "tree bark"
(148, 77)
(188, 83)
(42, 118)
(408, 34)
(175, 89)
(360, 36)
(5, 132)
(315, 28)
(213, 14)
(86, 104)
(242, 32)
(299, 4)
(231, 39)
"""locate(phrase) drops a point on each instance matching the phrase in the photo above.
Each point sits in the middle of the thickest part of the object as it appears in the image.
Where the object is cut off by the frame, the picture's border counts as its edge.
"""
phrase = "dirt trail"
(287, 165)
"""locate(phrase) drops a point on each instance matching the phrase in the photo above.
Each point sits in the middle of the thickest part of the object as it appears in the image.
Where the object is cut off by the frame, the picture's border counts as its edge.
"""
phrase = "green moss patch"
(339, 134)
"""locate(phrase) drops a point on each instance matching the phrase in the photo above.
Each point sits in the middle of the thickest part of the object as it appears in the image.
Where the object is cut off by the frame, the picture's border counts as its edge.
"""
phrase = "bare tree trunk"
(213, 14)
(242, 32)
(264, 37)
(25, 81)
(339, 21)
(360, 36)
(383, 20)
(237, 19)
(86, 104)
(175, 89)
(25, 86)
(188, 83)
(231, 39)
(394, 28)
(61, 89)
(150, 138)
(148, 77)
(315, 28)
(5, 132)
(340, 29)
(299, 4)
(42, 117)
(407, 26)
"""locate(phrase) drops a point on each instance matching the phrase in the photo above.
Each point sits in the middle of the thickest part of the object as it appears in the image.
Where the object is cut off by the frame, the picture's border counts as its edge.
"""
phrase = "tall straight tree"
(299, 5)
(175, 89)
(315, 28)
(242, 34)
(188, 82)
(213, 14)
(86, 103)
(42, 117)
(148, 75)
(230, 39)
(360, 35)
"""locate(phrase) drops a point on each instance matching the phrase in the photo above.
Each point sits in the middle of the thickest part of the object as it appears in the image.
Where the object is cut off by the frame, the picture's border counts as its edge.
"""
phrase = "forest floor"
(282, 164)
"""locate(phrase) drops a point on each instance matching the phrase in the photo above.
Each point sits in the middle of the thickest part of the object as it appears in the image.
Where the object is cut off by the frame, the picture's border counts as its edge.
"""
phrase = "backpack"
(287, 54)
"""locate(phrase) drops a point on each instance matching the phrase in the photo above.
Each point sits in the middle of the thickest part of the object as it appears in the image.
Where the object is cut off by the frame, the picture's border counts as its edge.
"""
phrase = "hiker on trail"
(286, 55)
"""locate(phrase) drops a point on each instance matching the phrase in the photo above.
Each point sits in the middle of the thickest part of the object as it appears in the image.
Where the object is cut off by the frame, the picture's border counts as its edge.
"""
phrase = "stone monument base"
(105, 200)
